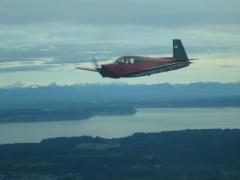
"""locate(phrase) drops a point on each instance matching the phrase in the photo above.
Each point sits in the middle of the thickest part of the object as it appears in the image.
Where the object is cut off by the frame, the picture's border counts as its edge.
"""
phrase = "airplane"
(135, 66)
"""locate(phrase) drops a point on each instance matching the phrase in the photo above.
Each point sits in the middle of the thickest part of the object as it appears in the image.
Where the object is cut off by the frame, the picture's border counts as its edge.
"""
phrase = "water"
(145, 120)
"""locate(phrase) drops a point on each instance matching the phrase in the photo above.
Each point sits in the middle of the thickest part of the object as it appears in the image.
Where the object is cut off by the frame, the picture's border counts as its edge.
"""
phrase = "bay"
(145, 120)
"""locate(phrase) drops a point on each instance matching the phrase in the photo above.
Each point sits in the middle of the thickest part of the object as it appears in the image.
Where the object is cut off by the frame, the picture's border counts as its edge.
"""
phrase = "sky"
(44, 41)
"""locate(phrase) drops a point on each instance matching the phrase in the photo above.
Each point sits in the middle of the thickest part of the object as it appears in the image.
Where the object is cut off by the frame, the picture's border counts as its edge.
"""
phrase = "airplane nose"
(103, 71)
(106, 72)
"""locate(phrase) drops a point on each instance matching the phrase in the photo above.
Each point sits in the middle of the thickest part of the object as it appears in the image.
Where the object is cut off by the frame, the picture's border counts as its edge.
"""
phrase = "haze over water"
(145, 120)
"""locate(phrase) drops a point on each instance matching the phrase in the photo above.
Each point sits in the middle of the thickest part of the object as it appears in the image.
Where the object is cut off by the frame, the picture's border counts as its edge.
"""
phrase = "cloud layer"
(163, 12)
(61, 34)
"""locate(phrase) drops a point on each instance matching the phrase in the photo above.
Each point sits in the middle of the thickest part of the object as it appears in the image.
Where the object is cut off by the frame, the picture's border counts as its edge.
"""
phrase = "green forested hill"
(189, 154)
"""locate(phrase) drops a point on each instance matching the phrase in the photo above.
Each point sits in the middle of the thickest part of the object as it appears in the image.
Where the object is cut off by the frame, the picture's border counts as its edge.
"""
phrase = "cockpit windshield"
(120, 60)
(129, 60)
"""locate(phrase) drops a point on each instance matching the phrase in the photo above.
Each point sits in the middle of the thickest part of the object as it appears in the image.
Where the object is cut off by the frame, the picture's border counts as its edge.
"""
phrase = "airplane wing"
(158, 69)
(87, 69)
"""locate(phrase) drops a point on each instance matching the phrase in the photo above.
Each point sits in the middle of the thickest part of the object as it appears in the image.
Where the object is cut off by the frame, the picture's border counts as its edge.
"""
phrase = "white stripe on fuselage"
(159, 69)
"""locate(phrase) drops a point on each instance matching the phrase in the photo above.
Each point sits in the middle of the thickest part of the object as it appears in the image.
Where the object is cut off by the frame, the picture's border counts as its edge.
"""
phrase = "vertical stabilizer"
(179, 52)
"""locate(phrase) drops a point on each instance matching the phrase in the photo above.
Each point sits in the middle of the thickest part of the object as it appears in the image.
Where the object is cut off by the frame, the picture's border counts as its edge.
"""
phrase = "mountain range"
(25, 93)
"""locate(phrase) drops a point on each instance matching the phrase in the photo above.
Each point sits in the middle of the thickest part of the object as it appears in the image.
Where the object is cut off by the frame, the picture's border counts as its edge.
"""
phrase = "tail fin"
(179, 52)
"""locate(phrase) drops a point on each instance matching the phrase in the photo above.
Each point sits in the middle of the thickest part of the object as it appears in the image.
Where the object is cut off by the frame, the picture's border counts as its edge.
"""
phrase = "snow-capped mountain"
(22, 84)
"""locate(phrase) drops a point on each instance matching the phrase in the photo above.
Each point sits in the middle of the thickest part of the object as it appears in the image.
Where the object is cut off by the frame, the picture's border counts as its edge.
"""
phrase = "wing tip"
(87, 69)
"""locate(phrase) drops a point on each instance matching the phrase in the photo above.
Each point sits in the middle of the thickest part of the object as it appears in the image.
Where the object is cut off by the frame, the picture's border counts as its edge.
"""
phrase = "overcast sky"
(42, 41)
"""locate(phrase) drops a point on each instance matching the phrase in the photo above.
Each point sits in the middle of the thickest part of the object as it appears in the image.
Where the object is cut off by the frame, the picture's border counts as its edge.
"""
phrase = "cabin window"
(129, 60)
(138, 60)
(120, 60)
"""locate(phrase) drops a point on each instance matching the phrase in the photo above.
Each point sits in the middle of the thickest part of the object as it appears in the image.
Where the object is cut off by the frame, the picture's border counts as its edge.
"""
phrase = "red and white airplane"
(135, 66)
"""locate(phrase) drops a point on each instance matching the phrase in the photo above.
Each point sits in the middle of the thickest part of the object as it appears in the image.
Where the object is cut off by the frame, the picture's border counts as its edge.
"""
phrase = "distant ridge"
(27, 84)
(216, 94)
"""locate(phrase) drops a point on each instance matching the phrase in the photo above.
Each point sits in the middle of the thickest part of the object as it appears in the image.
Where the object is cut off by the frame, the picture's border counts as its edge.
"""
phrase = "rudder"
(179, 52)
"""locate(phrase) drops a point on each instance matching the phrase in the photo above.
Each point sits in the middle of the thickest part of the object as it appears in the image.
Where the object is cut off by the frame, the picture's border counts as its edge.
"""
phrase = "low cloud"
(23, 68)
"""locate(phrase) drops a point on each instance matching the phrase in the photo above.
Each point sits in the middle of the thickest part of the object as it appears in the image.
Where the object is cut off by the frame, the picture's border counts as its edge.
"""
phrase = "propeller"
(96, 65)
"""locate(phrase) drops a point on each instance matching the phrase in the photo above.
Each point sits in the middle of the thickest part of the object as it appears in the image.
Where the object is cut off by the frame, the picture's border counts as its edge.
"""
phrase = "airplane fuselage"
(146, 66)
